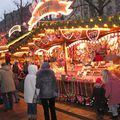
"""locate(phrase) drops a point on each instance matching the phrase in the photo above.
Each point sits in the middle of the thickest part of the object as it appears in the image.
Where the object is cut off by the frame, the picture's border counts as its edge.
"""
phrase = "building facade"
(15, 18)
(83, 10)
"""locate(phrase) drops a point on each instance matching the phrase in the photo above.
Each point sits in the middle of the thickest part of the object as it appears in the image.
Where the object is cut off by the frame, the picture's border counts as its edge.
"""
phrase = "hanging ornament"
(93, 34)
(58, 34)
(51, 37)
(67, 34)
(78, 35)
(38, 43)
(44, 40)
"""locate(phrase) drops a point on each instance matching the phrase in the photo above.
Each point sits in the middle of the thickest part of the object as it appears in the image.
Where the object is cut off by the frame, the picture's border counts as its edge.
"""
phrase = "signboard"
(49, 7)
(14, 28)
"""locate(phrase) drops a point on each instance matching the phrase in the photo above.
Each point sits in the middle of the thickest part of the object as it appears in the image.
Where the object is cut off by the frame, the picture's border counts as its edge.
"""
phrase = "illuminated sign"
(48, 7)
(14, 28)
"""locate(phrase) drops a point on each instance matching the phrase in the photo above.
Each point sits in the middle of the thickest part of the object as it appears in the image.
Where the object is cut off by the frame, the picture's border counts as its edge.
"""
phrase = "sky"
(8, 6)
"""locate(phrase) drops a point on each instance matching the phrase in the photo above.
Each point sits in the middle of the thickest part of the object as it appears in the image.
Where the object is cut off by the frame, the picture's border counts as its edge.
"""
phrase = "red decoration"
(93, 34)
(66, 34)
(77, 35)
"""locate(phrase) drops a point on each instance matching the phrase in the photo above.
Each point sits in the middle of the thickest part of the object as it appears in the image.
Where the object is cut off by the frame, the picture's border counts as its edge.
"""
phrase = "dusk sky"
(8, 6)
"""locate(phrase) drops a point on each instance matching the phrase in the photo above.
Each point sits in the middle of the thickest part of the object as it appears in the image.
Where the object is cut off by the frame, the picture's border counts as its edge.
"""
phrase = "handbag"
(36, 98)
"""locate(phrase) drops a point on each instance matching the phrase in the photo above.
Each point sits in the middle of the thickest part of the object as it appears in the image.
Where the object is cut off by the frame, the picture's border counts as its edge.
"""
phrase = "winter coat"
(46, 82)
(6, 79)
(29, 84)
(113, 91)
(99, 97)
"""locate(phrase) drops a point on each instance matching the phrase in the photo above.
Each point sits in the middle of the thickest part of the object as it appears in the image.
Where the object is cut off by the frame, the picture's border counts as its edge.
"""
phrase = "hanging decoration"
(3, 40)
(67, 34)
(78, 34)
(58, 34)
(14, 29)
(50, 37)
(93, 34)
(49, 7)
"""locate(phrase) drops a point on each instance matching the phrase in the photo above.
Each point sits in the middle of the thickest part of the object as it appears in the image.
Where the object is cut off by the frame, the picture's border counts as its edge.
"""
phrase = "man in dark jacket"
(46, 82)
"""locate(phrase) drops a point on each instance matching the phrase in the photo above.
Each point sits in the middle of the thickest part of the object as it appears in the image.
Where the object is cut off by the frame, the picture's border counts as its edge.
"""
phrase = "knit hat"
(45, 65)
(98, 81)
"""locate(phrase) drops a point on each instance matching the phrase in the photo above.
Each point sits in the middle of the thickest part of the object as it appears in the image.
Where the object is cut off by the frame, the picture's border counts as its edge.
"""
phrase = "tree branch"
(91, 4)
(106, 3)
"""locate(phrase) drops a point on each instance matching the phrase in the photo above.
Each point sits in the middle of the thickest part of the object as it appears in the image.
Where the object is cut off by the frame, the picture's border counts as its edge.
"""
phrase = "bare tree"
(21, 7)
(99, 5)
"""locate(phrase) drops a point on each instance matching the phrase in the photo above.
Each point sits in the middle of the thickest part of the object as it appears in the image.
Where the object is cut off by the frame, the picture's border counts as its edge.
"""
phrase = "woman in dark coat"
(46, 82)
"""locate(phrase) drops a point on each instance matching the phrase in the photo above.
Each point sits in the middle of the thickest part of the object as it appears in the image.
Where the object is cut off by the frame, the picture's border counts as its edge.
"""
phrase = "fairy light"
(58, 6)
(105, 25)
(78, 29)
(91, 20)
(114, 25)
(100, 19)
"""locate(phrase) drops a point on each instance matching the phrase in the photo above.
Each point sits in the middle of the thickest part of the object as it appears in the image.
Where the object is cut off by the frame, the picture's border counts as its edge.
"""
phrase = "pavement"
(65, 111)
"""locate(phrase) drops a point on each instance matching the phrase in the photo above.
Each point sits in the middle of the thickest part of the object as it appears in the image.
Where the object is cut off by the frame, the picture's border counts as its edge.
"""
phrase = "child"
(99, 98)
(29, 91)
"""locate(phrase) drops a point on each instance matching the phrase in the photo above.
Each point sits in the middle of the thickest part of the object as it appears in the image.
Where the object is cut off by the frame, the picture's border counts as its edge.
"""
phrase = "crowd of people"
(40, 84)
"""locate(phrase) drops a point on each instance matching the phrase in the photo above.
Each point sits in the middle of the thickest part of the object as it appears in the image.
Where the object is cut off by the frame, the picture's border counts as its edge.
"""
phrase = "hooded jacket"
(46, 82)
(6, 79)
(29, 84)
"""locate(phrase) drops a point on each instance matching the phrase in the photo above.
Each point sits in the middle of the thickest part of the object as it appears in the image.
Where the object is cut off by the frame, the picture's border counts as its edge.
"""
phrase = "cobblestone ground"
(64, 112)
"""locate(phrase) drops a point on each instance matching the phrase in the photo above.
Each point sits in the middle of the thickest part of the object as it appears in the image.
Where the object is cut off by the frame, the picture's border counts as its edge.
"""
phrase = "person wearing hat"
(46, 82)
(99, 98)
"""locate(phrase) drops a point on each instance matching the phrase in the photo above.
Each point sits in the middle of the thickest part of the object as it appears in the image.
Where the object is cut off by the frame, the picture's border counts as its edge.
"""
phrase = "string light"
(114, 25)
(91, 20)
(105, 25)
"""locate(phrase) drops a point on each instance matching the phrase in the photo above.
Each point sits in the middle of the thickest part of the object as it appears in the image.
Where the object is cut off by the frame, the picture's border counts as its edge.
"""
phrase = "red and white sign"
(93, 34)
(48, 7)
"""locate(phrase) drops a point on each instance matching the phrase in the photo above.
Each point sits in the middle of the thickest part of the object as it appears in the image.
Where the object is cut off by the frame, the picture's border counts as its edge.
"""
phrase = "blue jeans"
(16, 96)
(114, 109)
(7, 100)
(32, 110)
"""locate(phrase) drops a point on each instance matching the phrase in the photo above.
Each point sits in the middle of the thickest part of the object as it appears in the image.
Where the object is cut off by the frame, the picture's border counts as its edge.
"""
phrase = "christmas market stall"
(77, 51)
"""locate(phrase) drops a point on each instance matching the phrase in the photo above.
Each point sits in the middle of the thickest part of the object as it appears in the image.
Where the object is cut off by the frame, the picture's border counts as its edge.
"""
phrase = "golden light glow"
(19, 53)
(42, 10)
(41, 34)
(11, 43)
(100, 19)
(25, 48)
(31, 43)
(105, 25)
(78, 29)
(37, 51)
(119, 17)
(13, 29)
(37, 38)
(91, 20)
(3, 51)
(114, 25)
(96, 26)
(87, 26)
